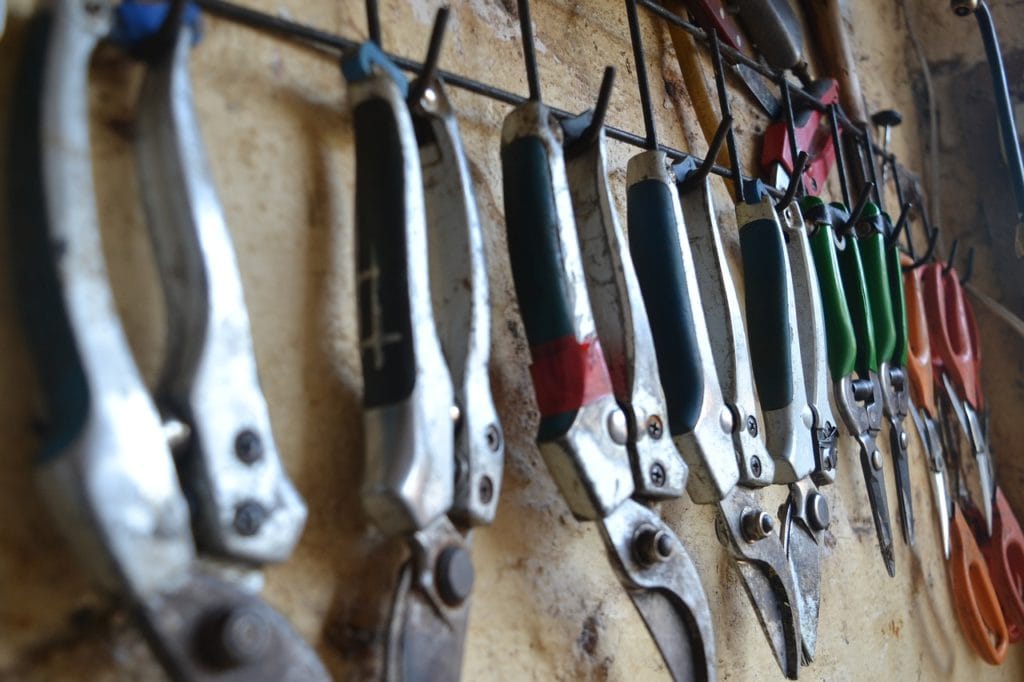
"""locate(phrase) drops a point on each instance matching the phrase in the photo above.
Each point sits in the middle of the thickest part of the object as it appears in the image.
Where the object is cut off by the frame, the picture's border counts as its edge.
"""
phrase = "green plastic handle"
(875, 261)
(839, 336)
(851, 271)
(899, 308)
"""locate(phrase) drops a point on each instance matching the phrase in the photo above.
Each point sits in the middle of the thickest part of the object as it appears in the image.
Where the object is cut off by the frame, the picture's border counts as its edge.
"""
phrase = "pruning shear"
(172, 499)
(434, 447)
(957, 361)
(880, 258)
(603, 456)
(852, 357)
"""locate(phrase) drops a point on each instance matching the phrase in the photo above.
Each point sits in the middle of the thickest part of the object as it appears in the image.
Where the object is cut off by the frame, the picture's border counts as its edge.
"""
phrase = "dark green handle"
(385, 326)
(839, 335)
(851, 272)
(766, 276)
(899, 307)
(535, 250)
(654, 246)
(875, 260)
(40, 302)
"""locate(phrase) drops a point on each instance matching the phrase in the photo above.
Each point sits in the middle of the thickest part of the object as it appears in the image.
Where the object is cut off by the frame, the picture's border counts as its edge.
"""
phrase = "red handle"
(951, 329)
(812, 135)
(974, 596)
(1004, 555)
(919, 356)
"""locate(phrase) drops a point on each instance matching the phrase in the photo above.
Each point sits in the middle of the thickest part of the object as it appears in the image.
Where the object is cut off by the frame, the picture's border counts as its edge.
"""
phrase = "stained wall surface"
(546, 604)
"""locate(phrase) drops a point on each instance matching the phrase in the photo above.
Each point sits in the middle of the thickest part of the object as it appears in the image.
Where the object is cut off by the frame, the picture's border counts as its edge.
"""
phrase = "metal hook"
(723, 101)
(933, 239)
(604, 96)
(641, 74)
(529, 51)
(164, 38)
(901, 222)
(702, 172)
(798, 170)
(373, 22)
(429, 72)
(833, 120)
(869, 147)
(796, 180)
(855, 213)
(969, 268)
(952, 257)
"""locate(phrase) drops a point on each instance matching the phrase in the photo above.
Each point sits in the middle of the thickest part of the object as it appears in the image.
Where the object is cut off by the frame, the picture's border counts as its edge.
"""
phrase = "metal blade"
(424, 642)
(427, 626)
(664, 585)
(928, 432)
(871, 465)
(758, 89)
(983, 459)
(901, 468)
(767, 577)
(803, 547)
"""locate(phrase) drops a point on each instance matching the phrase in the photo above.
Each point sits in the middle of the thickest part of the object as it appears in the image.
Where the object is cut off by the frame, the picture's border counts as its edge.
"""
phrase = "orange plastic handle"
(919, 355)
(1004, 554)
(951, 331)
(974, 596)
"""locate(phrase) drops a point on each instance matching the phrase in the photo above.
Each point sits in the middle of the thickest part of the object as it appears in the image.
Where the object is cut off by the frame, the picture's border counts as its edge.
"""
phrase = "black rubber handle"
(767, 296)
(385, 332)
(654, 246)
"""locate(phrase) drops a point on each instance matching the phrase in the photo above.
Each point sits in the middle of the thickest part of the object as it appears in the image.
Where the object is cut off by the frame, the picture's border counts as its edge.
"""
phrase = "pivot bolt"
(904, 440)
(817, 511)
(248, 447)
(454, 575)
(235, 637)
(755, 466)
(617, 426)
(652, 545)
(756, 525)
(876, 460)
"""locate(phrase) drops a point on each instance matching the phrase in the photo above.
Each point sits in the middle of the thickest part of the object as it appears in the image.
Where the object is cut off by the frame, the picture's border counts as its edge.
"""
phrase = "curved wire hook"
(429, 72)
(858, 209)
(901, 222)
(164, 38)
(702, 172)
(933, 239)
(952, 257)
(794, 183)
(968, 268)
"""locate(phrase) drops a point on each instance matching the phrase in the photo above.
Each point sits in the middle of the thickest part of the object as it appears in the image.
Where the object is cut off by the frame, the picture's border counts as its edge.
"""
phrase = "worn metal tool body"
(177, 534)
(434, 446)
(583, 433)
(806, 517)
(851, 351)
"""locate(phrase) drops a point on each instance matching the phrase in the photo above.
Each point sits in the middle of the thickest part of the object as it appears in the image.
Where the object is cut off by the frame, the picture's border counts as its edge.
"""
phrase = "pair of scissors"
(174, 498)
(974, 597)
(955, 341)
(434, 446)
